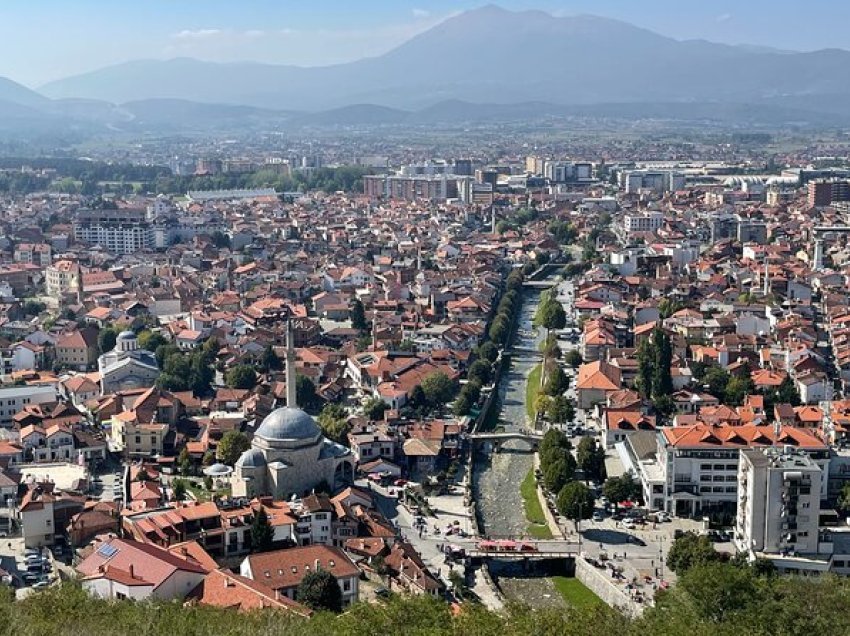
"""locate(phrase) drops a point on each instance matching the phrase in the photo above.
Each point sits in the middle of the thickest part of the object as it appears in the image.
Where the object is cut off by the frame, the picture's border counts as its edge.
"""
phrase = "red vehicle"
(400, 482)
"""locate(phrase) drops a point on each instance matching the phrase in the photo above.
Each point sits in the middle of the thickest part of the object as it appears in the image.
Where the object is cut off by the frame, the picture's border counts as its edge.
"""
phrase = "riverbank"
(532, 388)
(538, 526)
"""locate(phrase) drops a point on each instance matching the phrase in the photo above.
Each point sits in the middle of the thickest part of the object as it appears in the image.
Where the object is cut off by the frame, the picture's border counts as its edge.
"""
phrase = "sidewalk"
(556, 530)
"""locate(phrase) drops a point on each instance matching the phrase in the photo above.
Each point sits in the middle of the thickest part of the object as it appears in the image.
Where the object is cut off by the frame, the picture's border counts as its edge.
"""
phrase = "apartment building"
(122, 231)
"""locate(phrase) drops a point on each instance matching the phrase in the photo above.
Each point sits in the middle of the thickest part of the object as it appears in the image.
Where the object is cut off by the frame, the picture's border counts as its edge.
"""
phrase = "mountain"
(15, 93)
(491, 55)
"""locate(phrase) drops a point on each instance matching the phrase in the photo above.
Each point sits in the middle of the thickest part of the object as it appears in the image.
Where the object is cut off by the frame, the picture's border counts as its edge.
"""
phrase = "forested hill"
(718, 599)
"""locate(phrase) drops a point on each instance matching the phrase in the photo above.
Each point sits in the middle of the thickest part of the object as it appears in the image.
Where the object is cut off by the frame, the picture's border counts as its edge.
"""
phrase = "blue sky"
(43, 40)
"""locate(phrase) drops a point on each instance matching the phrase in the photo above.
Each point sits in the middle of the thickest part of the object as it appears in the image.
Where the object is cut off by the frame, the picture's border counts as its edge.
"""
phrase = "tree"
(575, 501)
(662, 381)
(557, 382)
(231, 446)
(488, 351)
(499, 329)
(242, 376)
(622, 488)
(417, 397)
(333, 421)
(716, 379)
(374, 408)
(208, 459)
(481, 371)
(690, 550)
(270, 360)
(106, 339)
(178, 490)
(439, 388)
(560, 410)
(738, 387)
(305, 392)
(319, 591)
(573, 358)
(590, 457)
(788, 393)
(550, 313)
(184, 461)
(262, 532)
(462, 405)
(844, 498)
(33, 308)
(142, 476)
(646, 360)
(358, 315)
(558, 472)
(151, 340)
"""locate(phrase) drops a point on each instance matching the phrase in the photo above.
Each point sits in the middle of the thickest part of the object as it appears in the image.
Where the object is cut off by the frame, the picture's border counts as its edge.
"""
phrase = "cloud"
(254, 33)
(198, 34)
(421, 13)
(723, 17)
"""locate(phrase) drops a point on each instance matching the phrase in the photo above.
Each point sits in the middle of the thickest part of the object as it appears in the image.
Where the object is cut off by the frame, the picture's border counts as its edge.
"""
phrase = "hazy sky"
(43, 40)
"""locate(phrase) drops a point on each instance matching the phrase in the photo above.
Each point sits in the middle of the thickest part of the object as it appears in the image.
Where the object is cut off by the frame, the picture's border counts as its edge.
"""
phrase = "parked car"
(597, 516)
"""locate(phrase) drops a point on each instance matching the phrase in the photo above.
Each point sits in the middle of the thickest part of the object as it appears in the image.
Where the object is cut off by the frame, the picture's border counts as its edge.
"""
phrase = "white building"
(642, 222)
(127, 366)
(13, 399)
(778, 502)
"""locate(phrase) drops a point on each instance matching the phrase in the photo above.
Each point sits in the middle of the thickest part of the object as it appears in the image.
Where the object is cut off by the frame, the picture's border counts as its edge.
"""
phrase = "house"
(77, 349)
(595, 380)
(283, 570)
(127, 569)
(225, 589)
(410, 572)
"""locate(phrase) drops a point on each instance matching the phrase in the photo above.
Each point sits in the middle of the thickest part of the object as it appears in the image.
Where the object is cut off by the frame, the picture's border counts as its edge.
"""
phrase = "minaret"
(766, 276)
(492, 219)
(291, 379)
(79, 284)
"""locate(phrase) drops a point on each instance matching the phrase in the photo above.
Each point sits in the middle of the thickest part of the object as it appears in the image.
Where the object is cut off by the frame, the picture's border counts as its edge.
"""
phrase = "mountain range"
(488, 63)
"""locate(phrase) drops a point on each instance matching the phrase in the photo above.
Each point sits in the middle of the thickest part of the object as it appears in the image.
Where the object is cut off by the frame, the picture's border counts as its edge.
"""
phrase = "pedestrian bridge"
(502, 436)
(539, 284)
(523, 549)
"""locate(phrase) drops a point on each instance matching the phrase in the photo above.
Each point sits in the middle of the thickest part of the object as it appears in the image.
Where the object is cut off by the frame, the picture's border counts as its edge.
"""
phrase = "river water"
(497, 476)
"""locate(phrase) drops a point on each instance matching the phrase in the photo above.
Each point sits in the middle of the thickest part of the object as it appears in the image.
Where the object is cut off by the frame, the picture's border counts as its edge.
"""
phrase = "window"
(346, 585)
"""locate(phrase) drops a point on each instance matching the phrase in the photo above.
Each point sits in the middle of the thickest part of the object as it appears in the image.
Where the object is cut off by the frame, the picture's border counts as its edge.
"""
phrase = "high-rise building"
(121, 231)
(779, 497)
(824, 192)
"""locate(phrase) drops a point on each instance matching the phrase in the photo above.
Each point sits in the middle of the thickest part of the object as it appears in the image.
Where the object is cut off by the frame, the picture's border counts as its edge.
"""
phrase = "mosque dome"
(288, 424)
(252, 458)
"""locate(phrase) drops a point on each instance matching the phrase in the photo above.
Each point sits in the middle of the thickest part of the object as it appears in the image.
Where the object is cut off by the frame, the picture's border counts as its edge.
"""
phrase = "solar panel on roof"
(107, 550)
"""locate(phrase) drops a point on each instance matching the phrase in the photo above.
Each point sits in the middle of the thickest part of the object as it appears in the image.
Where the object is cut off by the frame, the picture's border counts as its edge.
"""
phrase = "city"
(291, 362)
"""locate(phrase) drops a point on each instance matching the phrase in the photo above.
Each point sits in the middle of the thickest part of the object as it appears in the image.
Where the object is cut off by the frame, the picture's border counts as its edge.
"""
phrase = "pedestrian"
(624, 555)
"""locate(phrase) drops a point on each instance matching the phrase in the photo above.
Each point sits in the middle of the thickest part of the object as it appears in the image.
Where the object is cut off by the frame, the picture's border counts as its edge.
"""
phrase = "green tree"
(231, 446)
(573, 358)
(788, 393)
(184, 462)
(550, 313)
(319, 591)
(262, 532)
(560, 410)
(590, 457)
(208, 459)
(488, 351)
(150, 340)
(270, 360)
(439, 388)
(844, 498)
(557, 382)
(462, 405)
(374, 408)
(479, 370)
(622, 488)
(738, 387)
(646, 362)
(333, 421)
(242, 376)
(662, 381)
(34, 308)
(575, 501)
(106, 339)
(178, 490)
(305, 392)
(716, 379)
(358, 316)
(690, 550)
(558, 472)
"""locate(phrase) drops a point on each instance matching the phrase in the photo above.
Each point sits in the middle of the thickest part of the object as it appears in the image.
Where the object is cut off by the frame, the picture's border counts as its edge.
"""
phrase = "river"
(497, 476)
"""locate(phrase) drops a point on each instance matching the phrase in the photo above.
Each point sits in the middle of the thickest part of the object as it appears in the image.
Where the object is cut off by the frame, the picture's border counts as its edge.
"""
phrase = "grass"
(575, 593)
(531, 391)
(538, 528)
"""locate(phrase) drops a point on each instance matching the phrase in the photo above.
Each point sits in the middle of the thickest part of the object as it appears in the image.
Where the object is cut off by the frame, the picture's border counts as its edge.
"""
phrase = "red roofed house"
(122, 568)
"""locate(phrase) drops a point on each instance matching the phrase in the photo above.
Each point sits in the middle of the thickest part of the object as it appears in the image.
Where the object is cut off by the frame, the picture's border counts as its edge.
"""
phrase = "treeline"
(343, 178)
(91, 178)
(712, 599)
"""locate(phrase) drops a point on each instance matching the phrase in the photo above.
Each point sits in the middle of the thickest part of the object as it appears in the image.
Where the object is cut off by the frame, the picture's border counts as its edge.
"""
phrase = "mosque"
(289, 455)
